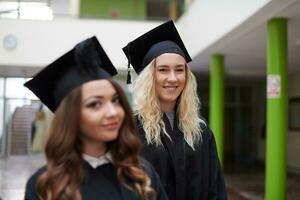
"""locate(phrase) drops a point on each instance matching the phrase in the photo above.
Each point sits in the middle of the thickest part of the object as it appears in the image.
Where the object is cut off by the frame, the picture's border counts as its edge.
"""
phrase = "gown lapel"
(176, 149)
(166, 140)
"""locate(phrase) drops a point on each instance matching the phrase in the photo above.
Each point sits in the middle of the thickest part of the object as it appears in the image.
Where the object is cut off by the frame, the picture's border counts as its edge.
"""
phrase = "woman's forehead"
(101, 88)
(170, 59)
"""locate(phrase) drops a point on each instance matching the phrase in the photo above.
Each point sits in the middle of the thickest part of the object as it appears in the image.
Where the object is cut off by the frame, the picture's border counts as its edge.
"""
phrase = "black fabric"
(102, 183)
(141, 51)
(161, 48)
(185, 173)
(87, 61)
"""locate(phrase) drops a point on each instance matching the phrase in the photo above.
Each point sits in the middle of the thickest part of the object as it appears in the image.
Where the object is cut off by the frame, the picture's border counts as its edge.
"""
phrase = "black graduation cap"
(87, 61)
(162, 39)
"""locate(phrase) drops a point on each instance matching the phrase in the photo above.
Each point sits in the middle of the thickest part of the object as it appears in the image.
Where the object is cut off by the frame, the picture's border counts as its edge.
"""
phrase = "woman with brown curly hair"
(92, 149)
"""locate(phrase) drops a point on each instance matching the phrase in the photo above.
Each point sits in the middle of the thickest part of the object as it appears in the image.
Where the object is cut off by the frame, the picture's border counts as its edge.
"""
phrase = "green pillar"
(276, 110)
(128, 9)
(216, 114)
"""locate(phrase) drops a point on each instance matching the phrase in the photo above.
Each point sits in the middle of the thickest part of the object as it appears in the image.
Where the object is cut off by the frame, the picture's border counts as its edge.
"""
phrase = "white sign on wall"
(273, 86)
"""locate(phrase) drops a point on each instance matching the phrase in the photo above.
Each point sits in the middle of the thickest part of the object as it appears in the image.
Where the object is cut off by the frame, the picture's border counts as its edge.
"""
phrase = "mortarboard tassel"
(128, 68)
(128, 77)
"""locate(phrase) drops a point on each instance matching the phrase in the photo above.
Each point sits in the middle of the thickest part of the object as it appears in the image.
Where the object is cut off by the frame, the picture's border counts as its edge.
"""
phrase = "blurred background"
(246, 57)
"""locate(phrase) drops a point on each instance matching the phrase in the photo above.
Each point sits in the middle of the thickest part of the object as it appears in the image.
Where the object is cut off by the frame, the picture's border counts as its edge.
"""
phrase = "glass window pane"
(2, 139)
(15, 88)
(29, 94)
(1, 87)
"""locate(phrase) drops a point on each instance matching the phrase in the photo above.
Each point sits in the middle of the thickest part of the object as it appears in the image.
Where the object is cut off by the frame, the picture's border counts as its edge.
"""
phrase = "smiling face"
(170, 79)
(101, 113)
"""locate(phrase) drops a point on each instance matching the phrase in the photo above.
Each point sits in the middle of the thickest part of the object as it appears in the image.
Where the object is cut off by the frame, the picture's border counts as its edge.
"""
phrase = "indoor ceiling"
(244, 48)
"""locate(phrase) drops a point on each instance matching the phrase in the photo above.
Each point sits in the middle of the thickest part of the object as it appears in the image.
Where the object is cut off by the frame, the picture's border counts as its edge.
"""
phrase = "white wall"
(40, 42)
(207, 21)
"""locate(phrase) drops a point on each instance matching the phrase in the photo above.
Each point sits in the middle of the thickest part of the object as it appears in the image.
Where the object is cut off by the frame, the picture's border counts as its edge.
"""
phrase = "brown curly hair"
(65, 166)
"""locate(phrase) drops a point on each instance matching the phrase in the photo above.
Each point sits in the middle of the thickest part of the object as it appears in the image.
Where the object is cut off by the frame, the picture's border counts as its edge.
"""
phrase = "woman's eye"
(116, 100)
(180, 70)
(94, 105)
(162, 70)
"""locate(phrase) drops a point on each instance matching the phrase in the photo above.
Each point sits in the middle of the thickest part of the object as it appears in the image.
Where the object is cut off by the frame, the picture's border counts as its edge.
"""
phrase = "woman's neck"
(167, 106)
(95, 149)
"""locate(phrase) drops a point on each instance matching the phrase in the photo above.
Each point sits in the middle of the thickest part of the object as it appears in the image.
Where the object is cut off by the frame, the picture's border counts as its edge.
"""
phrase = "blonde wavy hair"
(147, 107)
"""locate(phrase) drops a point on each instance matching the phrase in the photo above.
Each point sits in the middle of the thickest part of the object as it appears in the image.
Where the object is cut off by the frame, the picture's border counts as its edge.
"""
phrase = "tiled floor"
(242, 183)
(14, 173)
(248, 182)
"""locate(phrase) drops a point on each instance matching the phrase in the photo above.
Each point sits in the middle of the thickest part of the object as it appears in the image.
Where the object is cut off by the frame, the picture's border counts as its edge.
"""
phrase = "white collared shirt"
(96, 162)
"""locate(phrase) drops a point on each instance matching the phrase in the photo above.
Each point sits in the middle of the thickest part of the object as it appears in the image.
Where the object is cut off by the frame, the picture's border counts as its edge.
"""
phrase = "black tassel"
(128, 77)
(128, 67)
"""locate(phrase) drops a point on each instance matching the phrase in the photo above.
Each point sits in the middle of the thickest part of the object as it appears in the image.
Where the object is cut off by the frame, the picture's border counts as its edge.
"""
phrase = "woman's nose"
(111, 110)
(172, 76)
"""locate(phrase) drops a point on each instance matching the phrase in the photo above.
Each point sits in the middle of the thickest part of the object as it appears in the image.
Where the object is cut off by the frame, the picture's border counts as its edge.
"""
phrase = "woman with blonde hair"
(177, 142)
(92, 149)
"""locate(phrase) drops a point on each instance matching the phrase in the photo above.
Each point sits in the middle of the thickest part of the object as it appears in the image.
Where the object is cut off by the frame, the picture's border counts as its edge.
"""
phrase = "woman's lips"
(170, 88)
(111, 126)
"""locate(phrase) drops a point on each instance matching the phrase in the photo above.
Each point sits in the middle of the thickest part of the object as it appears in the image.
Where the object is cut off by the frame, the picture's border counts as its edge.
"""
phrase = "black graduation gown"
(186, 174)
(102, 183)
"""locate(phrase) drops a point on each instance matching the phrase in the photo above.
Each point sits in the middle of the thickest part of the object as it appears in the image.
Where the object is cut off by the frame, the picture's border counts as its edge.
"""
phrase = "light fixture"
(10, 42)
